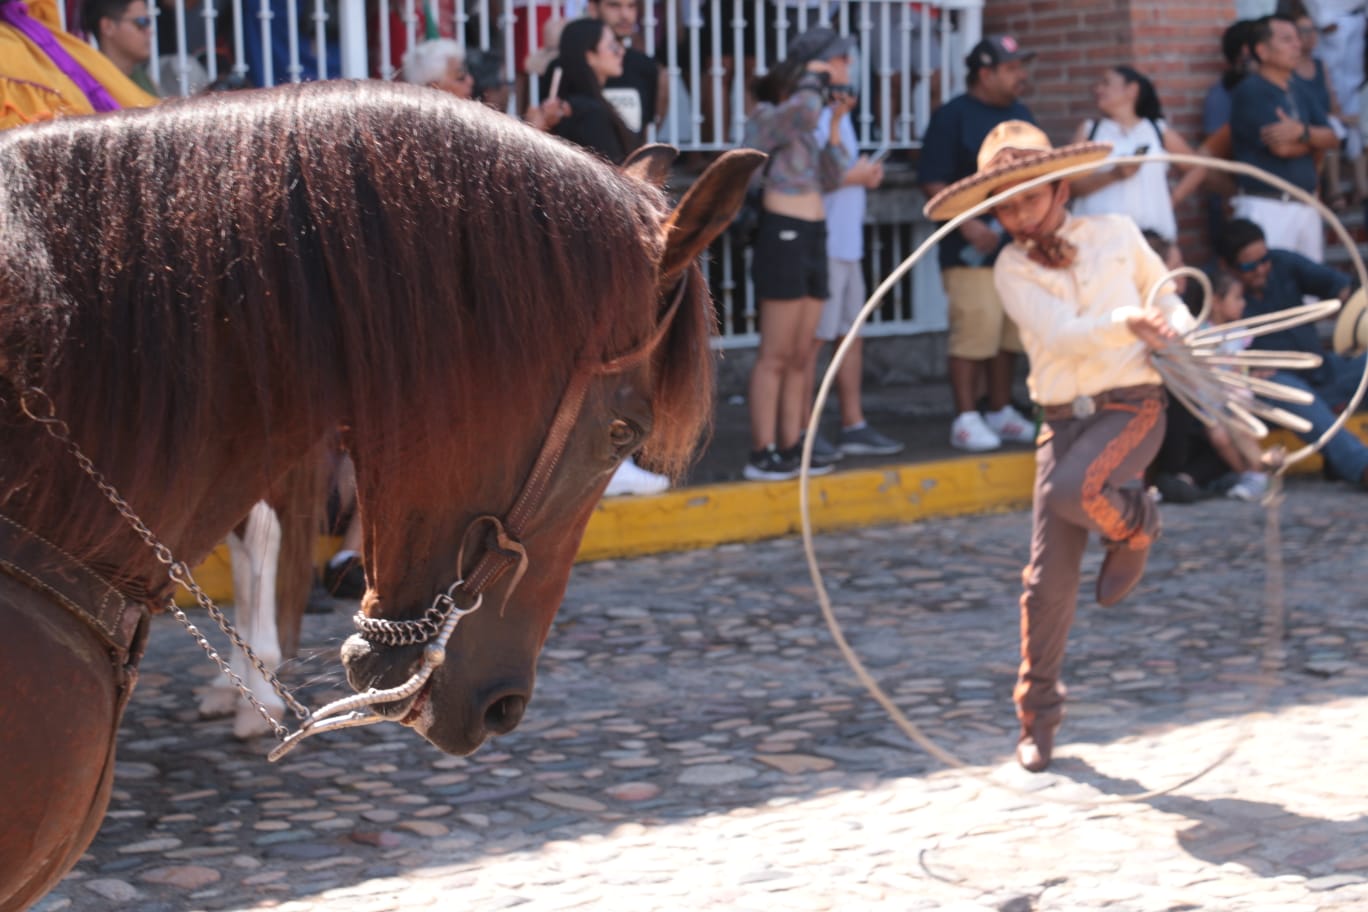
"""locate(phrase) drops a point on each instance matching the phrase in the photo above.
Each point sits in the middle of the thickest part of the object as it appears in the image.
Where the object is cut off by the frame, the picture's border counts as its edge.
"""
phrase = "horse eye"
(623, 434)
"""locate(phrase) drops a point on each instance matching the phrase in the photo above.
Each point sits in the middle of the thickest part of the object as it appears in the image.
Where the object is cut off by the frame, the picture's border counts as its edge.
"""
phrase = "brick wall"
(1176, 43)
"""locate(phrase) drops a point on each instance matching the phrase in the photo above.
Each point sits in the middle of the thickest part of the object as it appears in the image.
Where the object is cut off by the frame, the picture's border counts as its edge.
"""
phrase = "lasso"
(1191, 369)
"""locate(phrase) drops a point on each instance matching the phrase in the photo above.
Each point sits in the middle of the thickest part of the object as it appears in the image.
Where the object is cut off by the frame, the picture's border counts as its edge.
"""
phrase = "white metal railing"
(907, 51)
(902, 45)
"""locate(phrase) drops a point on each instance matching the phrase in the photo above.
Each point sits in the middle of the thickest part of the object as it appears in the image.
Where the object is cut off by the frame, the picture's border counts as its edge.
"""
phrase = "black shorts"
(790, 259)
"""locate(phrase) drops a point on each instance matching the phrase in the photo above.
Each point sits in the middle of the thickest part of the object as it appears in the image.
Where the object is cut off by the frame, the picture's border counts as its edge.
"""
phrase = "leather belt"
(1086, 406)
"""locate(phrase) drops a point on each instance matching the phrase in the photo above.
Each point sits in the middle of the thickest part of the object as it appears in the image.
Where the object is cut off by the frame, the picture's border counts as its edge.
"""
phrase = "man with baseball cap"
(982, 340)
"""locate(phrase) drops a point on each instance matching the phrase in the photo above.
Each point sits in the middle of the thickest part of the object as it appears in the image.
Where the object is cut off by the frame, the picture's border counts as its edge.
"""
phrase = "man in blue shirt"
(1277, 125)
(1274, 280)
(982, 339)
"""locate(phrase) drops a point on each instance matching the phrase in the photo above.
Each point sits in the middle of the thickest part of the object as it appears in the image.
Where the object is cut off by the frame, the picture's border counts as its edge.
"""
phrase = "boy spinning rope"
(1076, 287)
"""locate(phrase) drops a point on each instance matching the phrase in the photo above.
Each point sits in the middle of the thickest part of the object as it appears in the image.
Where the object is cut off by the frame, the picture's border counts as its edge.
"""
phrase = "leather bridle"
(501, 552)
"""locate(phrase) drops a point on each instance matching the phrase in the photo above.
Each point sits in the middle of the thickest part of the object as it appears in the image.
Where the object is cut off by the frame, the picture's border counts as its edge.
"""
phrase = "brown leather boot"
(1121, 571)
(1035, 747)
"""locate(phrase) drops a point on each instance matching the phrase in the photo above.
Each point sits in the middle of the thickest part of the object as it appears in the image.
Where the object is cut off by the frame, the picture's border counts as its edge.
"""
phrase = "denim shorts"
(790, 258)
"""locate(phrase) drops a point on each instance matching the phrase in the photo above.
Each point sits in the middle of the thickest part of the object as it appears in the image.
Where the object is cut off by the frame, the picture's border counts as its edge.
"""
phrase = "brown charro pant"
(1088, 479)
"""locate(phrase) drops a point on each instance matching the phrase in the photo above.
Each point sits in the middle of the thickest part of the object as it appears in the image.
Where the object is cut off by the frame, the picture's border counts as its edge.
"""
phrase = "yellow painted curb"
(747, 511)
(701, 517)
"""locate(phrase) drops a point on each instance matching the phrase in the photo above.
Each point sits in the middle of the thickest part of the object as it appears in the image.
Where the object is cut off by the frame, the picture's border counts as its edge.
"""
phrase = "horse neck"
(189, 511)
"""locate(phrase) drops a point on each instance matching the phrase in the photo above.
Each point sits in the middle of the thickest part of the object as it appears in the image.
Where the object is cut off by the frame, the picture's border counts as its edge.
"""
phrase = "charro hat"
(1351, 327)
(1012, 152)
(821, 43)
(996, 49)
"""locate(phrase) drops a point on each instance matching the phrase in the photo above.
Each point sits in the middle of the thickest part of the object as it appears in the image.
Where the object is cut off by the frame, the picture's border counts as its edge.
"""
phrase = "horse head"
(503, 522)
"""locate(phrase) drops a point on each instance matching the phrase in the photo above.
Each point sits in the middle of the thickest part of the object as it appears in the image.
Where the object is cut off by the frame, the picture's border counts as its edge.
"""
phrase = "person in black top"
(637, 93)
(590, 55)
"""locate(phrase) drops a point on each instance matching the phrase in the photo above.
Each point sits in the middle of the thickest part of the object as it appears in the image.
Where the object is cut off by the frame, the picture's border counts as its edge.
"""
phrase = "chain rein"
(179, 573)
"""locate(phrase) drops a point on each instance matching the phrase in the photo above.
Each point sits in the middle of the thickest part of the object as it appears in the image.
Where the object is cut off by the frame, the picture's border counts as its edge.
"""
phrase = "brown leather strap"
(502, 545)
(1137, 393)
(32, 559)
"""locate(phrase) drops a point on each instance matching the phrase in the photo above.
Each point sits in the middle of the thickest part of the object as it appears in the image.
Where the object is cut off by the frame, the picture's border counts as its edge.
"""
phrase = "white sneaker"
(970, 432)
(1251, 487)
(631, 478)
(1011, 426)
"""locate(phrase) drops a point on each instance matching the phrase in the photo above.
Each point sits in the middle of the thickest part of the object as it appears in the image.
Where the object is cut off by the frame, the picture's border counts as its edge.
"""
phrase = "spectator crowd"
(1288, 102)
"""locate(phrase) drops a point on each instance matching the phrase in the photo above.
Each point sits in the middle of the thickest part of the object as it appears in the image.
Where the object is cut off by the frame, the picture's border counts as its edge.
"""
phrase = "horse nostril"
(504, 714)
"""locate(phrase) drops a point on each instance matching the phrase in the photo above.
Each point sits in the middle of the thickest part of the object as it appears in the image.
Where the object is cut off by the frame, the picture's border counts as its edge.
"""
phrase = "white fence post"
(351, 28)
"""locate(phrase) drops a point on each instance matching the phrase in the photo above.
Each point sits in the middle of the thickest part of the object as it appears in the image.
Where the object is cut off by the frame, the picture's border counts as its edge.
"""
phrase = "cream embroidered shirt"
(1073, 320)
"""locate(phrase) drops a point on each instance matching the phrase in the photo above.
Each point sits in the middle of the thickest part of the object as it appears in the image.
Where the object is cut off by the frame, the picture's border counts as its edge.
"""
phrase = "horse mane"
(360, 252)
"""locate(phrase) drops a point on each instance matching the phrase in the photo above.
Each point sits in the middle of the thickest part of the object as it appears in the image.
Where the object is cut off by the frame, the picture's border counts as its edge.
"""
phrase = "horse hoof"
(248, 724)
(218, 701)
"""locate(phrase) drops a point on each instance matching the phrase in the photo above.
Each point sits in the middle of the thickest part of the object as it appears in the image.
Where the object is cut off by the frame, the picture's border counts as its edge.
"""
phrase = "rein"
(502, 552)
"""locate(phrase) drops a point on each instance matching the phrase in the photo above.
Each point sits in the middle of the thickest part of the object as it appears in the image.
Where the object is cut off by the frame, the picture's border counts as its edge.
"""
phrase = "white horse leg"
(255, 557)
(221, 698)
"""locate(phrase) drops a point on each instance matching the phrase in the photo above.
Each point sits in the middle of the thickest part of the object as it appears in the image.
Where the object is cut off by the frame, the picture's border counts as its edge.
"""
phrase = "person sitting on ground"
(1133, 122)
(1194, 460)
(1275, 280)
(1076, 287)
(46, 72)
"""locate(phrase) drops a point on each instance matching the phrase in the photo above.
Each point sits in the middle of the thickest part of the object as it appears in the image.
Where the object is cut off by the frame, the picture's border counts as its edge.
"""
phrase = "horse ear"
(651, 163)
(706, 210)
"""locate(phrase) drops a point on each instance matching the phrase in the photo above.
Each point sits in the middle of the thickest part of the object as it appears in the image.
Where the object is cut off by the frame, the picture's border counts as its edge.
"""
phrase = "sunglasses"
(1253, 264)
(142, 22)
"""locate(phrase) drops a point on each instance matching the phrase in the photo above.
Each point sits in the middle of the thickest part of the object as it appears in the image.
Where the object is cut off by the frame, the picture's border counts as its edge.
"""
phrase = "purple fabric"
(16, 14)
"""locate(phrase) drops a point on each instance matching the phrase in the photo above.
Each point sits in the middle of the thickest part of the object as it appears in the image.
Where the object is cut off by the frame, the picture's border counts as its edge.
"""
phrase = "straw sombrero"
(1351, 327)
(1012, 152)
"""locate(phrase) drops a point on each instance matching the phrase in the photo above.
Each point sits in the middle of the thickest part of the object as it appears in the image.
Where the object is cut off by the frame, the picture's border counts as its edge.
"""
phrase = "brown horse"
(194, 296)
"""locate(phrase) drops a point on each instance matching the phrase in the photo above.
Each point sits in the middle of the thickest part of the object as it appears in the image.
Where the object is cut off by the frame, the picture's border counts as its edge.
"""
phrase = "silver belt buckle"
(1083, 406)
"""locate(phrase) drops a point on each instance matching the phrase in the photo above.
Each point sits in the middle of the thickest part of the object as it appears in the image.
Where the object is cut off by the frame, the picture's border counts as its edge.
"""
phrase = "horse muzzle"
(453, 713)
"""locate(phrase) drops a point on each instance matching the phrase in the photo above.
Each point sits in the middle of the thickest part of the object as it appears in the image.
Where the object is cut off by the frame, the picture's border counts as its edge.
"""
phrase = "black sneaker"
(865, 441)
(819, 465)
(1177, 489)
(770, 465)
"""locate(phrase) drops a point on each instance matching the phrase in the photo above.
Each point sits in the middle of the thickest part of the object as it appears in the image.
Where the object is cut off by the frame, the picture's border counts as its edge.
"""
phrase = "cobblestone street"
(696, 741)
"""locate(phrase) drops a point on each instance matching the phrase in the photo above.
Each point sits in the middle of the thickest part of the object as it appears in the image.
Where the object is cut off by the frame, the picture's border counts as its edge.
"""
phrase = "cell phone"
(1141, 150)
(879, 155)
(555, 83)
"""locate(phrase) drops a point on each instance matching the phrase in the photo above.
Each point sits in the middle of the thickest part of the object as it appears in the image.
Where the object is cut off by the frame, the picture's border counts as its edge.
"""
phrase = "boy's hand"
(1152, 329)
